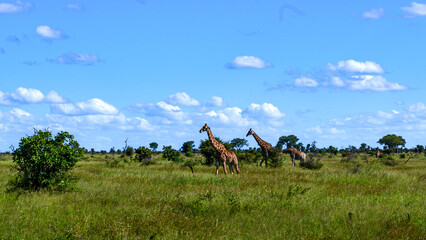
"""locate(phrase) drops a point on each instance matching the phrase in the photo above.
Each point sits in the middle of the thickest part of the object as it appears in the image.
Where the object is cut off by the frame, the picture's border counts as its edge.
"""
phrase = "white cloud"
(352, 66)
(264, 111)
(248, 62)
(14, 8)
(337, 82)
(182, 99)
(374, 13)
(231, 116)
(77, 58)
(53, 97)
(29, 95)
(374, 83)
(47, 32)
(74, 6)
(94, 106)
(217, 102)
(19, 113)
(416, 9)
(305, 82)
(167, 113)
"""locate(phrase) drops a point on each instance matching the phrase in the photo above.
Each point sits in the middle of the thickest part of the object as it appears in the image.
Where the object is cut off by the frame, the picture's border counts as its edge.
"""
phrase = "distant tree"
(143, 154)
(92, 151)
(392, 141)
(153, 146)
(112, 150)
(332, 150)
(289, 141)
(363, 148)
(419, 148)
(171, 154)
(187, 147)
(238, 143)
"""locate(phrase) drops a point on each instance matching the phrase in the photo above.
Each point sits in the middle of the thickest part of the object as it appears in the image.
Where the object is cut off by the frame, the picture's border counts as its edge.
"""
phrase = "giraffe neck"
(217, 145)
(259, 141)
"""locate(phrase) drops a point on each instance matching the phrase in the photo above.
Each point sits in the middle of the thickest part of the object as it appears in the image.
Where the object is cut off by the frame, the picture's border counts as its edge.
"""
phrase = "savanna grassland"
(127, 200)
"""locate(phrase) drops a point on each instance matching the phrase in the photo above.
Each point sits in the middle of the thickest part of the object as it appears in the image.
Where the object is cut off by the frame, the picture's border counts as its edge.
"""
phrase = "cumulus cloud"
(216, 102)
(352, 66)
(48, 32)
(19, 113)
(94, 106)
(76, 58)
(248, 62)
(230, 116)
(373, 83)
(416, 9)
(182, 99)
(167, 113)
(14, 8)
(305, 82)
(374, 13)
(410, 118)
(29, 95)
(264, 111)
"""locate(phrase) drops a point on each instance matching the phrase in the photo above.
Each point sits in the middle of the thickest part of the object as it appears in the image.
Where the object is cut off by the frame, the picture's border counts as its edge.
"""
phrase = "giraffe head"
(250, 132)
(204, 128)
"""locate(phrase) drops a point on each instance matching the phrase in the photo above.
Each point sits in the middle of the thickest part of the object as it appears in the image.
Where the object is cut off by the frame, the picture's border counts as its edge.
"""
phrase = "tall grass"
(167, 201)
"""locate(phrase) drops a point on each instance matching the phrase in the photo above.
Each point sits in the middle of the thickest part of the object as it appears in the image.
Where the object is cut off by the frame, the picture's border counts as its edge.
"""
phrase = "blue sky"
(327, 71)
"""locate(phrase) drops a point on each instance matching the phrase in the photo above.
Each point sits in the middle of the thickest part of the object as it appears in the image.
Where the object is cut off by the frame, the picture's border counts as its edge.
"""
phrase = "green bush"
(44, 161)
(312, 162)
(144, 155)
(172, 155)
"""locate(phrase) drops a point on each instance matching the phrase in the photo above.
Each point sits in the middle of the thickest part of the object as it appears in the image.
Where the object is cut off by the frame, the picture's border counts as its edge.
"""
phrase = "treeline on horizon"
(391, 144)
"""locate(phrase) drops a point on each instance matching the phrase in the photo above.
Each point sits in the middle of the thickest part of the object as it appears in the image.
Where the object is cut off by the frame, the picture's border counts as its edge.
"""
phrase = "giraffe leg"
(266, 161)
(263, 160)
(217, 167)
(236, 167)
(230, 168)
(294, 162)
(224, 167)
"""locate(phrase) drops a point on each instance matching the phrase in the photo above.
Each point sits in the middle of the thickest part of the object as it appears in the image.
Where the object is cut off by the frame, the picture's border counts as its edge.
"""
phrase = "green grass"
(167, 201)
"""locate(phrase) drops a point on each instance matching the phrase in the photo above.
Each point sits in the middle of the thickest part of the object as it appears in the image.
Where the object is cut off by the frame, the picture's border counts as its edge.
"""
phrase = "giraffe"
(265, 146)
(226, 156)
(295, 154)
(378, 153)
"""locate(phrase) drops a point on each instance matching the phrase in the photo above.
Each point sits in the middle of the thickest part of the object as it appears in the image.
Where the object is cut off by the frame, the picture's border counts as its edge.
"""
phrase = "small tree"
(392, 141)
(172, 155)
(289, 141)
(238, 143)
(153, 146)
(144, 155)
(44, 161)
(187, 148)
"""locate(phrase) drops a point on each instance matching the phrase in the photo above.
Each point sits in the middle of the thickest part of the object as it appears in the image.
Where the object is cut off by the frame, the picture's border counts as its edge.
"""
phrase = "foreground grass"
(167, 201)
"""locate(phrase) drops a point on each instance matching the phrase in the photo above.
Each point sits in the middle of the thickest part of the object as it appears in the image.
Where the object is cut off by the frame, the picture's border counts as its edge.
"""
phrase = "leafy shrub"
(347, 156)
(275, 158)
(389, 161)
(143, 155)
(402, 155)
(44, 161)
(113, 163)
(172, 155)
(311, 163)
(249, 156)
